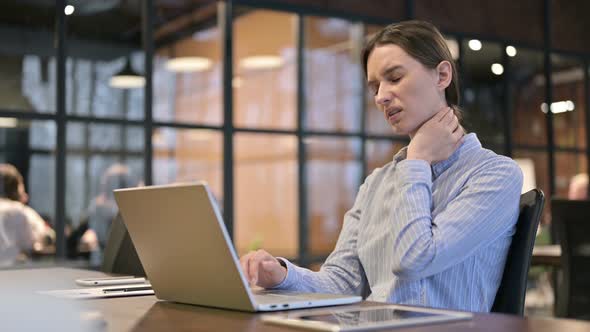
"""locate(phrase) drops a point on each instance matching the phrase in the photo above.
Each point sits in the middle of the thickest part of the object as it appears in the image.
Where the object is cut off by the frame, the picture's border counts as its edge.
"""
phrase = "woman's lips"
(394, 116)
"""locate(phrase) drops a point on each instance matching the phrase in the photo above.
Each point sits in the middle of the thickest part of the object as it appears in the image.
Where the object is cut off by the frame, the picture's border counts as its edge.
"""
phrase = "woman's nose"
(383, 96)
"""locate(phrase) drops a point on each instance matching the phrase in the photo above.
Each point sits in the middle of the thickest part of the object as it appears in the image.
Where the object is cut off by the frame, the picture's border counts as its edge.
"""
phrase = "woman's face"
(406, 92)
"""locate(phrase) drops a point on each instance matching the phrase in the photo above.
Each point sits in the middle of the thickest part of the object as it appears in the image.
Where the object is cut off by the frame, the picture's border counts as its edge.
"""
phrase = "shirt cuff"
(291, 278)
(412, 171)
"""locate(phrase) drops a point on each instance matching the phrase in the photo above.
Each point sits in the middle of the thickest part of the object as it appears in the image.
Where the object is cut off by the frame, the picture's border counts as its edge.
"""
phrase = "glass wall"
(254, 159)
(27, 58)
(333, 174)
(265, 165)
(483, 75)
(264, 63)
(266, 186)
(104, 91)
(188, 68)
(333, 92)
(529, 123)
(188, 96)
(27, 135)
(569, 119)
(188, 155)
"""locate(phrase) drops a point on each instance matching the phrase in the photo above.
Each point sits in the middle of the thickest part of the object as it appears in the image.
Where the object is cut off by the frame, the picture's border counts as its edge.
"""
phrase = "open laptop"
(188, 256)
(119, 254)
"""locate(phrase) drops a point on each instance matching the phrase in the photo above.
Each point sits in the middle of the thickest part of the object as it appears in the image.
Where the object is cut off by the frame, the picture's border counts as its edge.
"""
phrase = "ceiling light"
(511, 50)
(8, 122)
(475, 44)
(497, 69)
(261, 62)
(188, 64)
(127, 78)
(559, 107)
(69, 10)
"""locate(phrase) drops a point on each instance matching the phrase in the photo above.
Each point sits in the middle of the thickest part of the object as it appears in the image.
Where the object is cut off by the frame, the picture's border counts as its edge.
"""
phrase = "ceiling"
(106, 29)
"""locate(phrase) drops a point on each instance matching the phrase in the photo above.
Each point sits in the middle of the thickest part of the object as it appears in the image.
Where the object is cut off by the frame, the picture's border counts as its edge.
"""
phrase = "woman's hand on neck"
(437, 138)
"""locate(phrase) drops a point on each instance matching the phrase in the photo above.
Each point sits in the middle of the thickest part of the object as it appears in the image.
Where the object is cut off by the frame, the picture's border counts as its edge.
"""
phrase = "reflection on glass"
(100, 158)
(89, 93)
(189, 155)
(527, 87)
(569, 102)
(567, 165)
(483, 96)
(333, 75)
(333, 171)
(264, 84)
(381, 152)
(188, 70)
(266, 186)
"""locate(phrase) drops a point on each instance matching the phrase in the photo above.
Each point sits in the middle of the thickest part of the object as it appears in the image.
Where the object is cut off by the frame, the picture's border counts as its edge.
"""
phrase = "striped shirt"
(418, 234)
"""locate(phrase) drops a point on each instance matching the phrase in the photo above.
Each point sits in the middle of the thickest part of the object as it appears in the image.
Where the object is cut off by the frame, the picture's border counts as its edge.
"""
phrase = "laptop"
(120, 256)
(188, 257)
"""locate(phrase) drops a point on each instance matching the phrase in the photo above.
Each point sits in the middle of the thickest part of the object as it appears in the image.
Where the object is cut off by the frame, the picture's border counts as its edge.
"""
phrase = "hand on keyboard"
(262, 269)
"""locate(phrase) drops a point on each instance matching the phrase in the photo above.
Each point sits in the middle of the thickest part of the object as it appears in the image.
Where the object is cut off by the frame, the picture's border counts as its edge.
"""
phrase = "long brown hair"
(422, 41)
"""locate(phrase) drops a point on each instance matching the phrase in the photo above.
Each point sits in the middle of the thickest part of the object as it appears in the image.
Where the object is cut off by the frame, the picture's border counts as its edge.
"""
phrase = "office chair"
(572, 222)
(510, 296)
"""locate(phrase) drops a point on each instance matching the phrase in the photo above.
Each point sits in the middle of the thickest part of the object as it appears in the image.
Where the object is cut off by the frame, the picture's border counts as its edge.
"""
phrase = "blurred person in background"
(578, 188)
(22, 229)
(103, 210)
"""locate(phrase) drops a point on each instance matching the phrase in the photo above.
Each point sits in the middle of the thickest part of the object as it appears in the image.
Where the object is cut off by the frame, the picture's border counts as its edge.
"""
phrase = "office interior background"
(266, 101)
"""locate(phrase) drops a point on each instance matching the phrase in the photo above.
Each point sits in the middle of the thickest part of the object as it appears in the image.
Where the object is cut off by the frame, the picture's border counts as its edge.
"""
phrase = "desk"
(146, 313)
(547, 255)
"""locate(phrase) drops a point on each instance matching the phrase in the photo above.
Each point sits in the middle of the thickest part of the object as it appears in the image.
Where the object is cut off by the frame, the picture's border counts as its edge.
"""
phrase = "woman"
(22, 229)
(433, 226)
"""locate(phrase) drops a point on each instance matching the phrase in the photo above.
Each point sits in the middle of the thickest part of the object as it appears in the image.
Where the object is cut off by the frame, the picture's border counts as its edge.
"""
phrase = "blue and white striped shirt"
(425, 235)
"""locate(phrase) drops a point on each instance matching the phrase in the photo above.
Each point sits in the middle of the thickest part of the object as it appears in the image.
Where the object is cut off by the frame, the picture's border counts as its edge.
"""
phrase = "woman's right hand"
(262, 269)
(437, 138)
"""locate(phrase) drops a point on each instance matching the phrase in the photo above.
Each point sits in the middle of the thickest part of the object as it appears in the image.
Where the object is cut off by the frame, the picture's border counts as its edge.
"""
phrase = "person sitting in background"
(578, 189)
(21, 228)
(103, 210)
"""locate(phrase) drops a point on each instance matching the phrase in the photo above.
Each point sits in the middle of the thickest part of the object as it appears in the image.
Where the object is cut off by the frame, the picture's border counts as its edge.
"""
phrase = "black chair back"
(510, 296)
(571, 220)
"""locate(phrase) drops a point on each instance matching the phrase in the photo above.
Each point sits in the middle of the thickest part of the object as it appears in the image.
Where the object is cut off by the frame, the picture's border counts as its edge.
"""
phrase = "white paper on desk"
(99, 292)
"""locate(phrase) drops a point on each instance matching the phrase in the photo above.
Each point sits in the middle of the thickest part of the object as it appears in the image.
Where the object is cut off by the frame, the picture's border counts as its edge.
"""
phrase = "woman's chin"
(400, 130)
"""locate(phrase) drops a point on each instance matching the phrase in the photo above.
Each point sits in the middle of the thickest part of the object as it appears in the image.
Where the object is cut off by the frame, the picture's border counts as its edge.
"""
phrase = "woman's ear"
(444, 72)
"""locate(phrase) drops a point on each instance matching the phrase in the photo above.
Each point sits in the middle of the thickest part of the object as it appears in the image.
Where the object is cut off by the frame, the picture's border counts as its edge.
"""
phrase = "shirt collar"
(470, 141)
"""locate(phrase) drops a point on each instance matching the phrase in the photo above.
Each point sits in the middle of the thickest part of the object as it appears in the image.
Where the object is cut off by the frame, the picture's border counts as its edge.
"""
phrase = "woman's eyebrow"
(390, 70)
